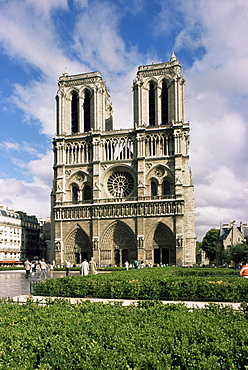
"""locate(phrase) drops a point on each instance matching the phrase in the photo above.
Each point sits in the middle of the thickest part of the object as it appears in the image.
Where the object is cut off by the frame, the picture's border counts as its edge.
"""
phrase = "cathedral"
(127, 194)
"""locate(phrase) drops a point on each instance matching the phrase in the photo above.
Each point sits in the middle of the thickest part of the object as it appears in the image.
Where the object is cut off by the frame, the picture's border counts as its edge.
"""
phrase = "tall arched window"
(86, 111)
(87, 194)
(74, 113)
(151, 105)
(154, 189)
(164, 104)
(166, 187)
(57, 114)
(75, 194)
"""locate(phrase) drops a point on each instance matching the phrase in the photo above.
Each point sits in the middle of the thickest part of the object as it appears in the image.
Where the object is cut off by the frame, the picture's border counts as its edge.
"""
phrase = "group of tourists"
(86, 267)
(31, 267)
(90, 267)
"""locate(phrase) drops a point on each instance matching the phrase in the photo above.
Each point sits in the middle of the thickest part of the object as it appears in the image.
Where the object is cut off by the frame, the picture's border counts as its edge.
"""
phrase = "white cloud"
(216, 90)
(216, 101)
(42, 168)
(28, 36)
(31, 198)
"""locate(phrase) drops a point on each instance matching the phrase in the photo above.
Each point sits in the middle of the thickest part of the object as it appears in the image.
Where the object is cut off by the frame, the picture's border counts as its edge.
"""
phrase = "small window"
(154, 189)
(75, 193)
(166, 187)
(87, 192)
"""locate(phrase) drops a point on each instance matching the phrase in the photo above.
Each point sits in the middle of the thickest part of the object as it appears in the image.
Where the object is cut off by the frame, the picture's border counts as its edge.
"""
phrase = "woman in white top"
(43, 268)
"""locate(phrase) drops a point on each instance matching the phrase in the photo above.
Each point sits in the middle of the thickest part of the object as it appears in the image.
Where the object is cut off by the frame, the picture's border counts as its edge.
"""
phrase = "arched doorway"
(78, 246)
(161, 242)
(118, 244)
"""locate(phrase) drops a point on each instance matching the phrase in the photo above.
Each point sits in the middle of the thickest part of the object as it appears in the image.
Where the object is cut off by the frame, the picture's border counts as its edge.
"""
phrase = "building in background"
(30, 247)
(10, 237)
(45, 239)
(230, 235)
(23, 236)
(122, 195)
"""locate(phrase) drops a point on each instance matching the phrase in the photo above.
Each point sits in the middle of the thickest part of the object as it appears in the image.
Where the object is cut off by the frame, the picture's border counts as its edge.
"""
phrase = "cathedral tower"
(123, 194)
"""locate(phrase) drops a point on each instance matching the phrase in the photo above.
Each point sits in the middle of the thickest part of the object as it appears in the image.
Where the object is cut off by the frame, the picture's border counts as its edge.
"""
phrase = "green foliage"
(163, 283)
(208, 244)
(102, 336)
(198, 247)
(238, 253)
(9, 268)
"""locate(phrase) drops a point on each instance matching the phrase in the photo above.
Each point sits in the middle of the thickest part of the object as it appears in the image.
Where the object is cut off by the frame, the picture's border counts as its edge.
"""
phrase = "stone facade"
(123, 194)
(19, 237)
(10, 237)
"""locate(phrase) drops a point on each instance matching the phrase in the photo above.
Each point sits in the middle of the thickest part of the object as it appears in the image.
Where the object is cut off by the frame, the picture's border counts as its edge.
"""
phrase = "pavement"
(125, 302)
(13, 282)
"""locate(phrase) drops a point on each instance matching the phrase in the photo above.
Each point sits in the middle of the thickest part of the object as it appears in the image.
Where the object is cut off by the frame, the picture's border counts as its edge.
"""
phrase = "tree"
(208, 244)
(237, 254)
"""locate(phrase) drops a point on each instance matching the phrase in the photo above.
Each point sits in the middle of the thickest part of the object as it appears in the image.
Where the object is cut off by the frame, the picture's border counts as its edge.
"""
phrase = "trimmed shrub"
(154, 283)
(102, 336)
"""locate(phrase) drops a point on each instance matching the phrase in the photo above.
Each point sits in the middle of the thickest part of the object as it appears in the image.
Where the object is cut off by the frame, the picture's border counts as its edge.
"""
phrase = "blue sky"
(38, 39)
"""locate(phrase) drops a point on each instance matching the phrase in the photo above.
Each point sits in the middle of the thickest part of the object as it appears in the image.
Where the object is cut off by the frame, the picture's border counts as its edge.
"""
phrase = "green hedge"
(152, 336)
(155, 283)
(9, 268)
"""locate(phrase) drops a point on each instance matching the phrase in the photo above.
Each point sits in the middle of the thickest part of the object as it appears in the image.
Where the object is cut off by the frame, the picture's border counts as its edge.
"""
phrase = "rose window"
(120, 184)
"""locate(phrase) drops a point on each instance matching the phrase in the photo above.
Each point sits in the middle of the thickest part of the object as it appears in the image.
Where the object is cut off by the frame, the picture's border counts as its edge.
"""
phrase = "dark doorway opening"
(77, 258)
(165, 256)
(84, 256)
(157, 255)
(117, 257)
(125, 255)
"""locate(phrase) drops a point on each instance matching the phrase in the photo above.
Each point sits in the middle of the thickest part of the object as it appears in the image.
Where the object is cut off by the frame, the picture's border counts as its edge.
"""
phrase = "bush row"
(159, 283)
(89, 336)
(9, 268)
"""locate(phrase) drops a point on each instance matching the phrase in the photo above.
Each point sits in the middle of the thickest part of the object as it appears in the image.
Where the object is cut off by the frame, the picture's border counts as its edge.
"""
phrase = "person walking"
(126, 265)
(136, 264)
(43, 268)
(67, 267)
(92, 266)
(27, 266)
(84, 268)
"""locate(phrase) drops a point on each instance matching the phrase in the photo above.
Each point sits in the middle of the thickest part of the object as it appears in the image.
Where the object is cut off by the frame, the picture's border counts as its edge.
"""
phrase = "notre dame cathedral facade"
(123, 194)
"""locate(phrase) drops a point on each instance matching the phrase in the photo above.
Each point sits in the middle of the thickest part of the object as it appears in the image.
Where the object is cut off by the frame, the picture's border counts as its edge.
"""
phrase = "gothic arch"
(160, 172)
(87, 88)
(161, 244)
(78, 177)
(71, 91)
(117, 242)
(151, 80)
(77, 246)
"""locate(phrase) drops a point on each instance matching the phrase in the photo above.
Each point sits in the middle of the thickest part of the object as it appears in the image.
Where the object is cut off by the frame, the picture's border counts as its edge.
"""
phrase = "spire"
(65, 73)
(173, 57)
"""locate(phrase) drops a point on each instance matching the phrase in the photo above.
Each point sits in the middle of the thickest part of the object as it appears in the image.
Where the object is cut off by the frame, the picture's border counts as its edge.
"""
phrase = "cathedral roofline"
(65, 76)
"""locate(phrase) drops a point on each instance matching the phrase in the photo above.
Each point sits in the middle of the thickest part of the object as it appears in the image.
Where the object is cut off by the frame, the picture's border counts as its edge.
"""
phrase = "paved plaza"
(14, 283)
